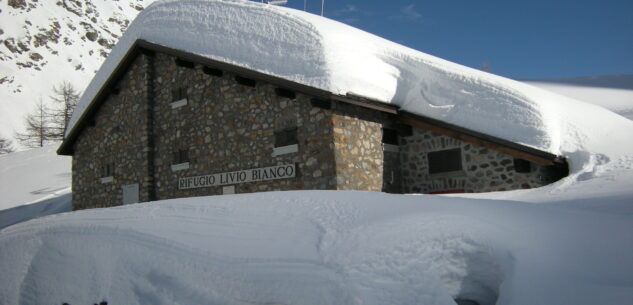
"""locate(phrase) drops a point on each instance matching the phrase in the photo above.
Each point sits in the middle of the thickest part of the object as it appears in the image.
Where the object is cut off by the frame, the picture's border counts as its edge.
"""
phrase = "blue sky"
(516, 39)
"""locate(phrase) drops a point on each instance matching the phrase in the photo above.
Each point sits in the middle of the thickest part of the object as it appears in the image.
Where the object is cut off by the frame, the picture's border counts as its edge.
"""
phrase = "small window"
(389, 136)
(107, 170)
(179, 94)
(245, 81)
(445, 161)
(286, 136)
(285, 93)
(181, 156)
(323, 104)
(184, 63)
(522, 166)
(212, 71)
(405, 130)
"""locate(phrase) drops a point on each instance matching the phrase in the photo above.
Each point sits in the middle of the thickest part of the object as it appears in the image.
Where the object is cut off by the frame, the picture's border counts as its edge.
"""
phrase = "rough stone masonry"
(168, 124)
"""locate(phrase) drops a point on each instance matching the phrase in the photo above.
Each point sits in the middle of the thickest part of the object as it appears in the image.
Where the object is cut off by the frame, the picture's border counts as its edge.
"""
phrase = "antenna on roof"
(305, 5)
(277, 2)
(322, 6)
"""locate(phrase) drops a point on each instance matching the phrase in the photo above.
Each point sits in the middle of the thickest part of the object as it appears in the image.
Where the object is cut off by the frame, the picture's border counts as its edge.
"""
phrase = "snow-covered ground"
(614, 92)
(33, 183)
(323, 247)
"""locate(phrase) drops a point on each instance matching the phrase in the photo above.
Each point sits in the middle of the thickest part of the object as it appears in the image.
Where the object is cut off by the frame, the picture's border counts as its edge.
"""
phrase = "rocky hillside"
(45, 42)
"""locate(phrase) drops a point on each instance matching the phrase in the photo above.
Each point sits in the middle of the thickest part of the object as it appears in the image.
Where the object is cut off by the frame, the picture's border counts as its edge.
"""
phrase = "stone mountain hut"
(166, 122)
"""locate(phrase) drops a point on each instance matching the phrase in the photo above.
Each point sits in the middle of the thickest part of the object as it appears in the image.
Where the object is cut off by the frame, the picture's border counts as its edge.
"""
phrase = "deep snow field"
(32, 175)
(332, 247)
(33, 183)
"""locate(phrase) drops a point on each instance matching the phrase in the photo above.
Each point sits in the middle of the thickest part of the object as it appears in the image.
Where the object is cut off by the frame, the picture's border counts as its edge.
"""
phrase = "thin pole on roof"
(277, 2)
(305, 5)
(322, 6)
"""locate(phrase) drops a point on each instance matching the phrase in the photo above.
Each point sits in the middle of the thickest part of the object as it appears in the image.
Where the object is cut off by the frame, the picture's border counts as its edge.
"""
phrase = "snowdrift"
(321, 247)
(329, 55)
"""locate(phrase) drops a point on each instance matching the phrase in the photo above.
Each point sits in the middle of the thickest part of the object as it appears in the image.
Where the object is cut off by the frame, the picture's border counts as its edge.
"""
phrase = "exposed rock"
(104, 42)
(92, 36)
(17, 4)
(36, 56)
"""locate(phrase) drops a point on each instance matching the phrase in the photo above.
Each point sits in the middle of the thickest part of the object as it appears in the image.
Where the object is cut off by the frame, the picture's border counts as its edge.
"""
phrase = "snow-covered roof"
(328, 55)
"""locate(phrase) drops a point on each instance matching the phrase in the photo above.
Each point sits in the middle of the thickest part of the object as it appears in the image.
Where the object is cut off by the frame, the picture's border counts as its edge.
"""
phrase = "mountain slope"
(33, 183)
(43, 43)
(33, 175)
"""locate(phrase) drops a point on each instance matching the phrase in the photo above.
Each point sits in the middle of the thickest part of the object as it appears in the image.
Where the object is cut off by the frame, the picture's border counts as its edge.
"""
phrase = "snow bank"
(342, 248)
(33, 175)
(329, 55)
(59, 203)
(33, 183)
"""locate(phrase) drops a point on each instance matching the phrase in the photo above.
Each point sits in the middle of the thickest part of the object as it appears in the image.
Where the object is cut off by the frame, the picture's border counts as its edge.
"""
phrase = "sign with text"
(250, 175)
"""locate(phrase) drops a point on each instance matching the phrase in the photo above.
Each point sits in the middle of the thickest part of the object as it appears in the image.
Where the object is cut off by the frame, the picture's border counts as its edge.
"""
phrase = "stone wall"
(361, 162)
(483, 169)
(225, 123)
(118, 136)
(227, 126)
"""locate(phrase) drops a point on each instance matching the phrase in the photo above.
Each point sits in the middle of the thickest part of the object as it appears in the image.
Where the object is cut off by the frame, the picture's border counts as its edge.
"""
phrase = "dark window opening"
(522, 166)
(184, 63)
(285, 93)
(245, 81)
(389, 136)
(285, 137)
(212, 71)
(404, 130)
(444, 161)
(107, 170)
(179, 94)
(115, 90)
(323, 104)
(181, 156)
